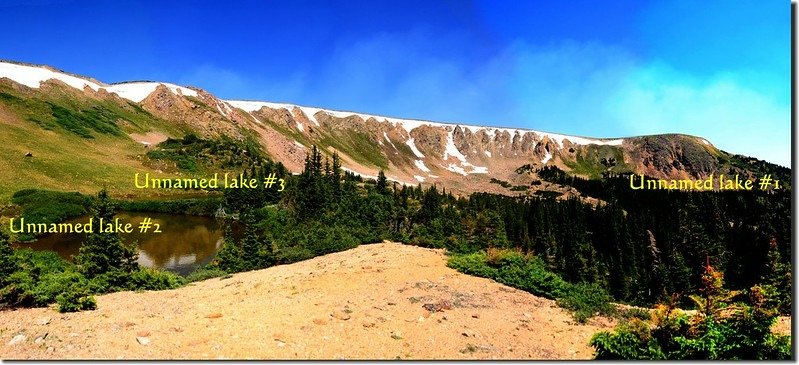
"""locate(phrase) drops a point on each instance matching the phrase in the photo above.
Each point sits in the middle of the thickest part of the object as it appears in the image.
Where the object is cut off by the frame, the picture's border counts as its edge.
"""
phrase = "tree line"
(641, 246)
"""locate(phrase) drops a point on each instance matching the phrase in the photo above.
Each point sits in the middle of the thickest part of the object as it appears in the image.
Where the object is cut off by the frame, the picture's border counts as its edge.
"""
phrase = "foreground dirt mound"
(381, 301)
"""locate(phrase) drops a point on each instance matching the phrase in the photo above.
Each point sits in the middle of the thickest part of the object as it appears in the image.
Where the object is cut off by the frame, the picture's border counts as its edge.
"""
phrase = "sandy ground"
(149, 139)
(371, 302)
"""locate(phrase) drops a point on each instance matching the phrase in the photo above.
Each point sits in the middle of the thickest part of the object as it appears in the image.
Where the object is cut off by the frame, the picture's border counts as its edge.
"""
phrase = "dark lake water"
(185, 242)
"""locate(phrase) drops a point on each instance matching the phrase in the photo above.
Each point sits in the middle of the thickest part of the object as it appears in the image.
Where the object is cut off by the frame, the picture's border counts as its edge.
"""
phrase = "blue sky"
(716, 69)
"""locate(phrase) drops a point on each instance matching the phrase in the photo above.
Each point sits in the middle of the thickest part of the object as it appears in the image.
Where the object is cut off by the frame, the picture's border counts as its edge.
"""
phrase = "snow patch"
(375, 177)
(256, 119)
(455, 168)
(220, 110)
(451, 150)
(410, 124)
(581, 140)
(300, 127)
(254, 106)
(420, 178)
(487, 153)
(415, 150)
(138, 91)
(389, 140)
(310, 113)
(420, 164)
(473, 129)
(546, 158)
(32, 76)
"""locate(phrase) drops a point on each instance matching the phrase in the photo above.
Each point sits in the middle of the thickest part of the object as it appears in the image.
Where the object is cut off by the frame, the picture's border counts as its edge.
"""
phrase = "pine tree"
(335, 177)
(250, 245)
(7, 264)
(229, 257)
(489, 230)
(382, 182)
(104, 252)
(778, 282)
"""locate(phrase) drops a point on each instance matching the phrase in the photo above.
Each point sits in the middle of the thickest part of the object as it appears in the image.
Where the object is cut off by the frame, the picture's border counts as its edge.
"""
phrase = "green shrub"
(229, 258)
(530, 274)
(109, 282)
(627, 343)
(331, 239)
(50, 285)
(587, 300)
(472, 264)
(39, 262)
(635, 313)
(18, 291)
(39, 277)
(287, 255)
(7, 263)
(512, 269)
(153, 279)
(194, 154)
(76, 299)
(204, 273)
(198, 206)
(720, 330)
(45, 206)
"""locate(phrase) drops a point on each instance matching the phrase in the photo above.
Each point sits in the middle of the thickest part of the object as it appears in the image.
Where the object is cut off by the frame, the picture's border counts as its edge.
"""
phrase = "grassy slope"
(587, 161)
(79, 143)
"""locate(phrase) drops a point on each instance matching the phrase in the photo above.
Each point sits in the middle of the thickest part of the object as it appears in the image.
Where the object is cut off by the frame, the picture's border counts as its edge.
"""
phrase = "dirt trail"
(371, 302)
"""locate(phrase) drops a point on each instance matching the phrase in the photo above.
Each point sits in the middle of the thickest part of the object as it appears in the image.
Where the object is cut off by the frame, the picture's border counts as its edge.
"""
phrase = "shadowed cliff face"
(459, 157)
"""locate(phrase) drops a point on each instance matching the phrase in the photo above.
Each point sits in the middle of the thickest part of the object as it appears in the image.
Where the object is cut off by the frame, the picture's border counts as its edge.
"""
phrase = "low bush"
(204, 273)
(51, 285)
(42, 278)
(153, 279)
(109, 282)
(530, 274)
(587, 300)
(39, 277)
(196, 206)
(513, 269)
(288, 255)
(75, 299)
(722, 329)
(45, 206)
(634, 313)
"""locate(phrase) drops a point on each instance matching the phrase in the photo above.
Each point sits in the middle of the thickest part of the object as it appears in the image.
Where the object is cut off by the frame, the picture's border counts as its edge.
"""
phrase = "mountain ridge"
(302, 107)
(461, 157)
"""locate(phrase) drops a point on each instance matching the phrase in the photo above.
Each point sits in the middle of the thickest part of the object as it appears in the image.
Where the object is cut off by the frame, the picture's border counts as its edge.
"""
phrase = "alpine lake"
(184, 243)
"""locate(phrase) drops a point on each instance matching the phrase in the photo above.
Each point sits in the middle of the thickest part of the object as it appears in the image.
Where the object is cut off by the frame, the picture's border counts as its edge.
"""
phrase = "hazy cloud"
(589, 89)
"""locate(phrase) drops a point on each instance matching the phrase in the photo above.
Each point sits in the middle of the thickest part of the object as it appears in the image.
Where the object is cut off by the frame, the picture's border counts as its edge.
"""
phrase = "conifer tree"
(104, 252)
(382, 182)
(7, 264)
(250, 245)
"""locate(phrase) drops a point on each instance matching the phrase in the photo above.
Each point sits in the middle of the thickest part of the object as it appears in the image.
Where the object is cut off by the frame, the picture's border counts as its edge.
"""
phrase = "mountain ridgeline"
(91, 121)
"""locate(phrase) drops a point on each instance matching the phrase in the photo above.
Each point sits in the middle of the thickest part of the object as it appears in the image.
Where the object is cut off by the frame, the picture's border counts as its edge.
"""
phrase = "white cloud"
(736, 118)
(588, 89)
